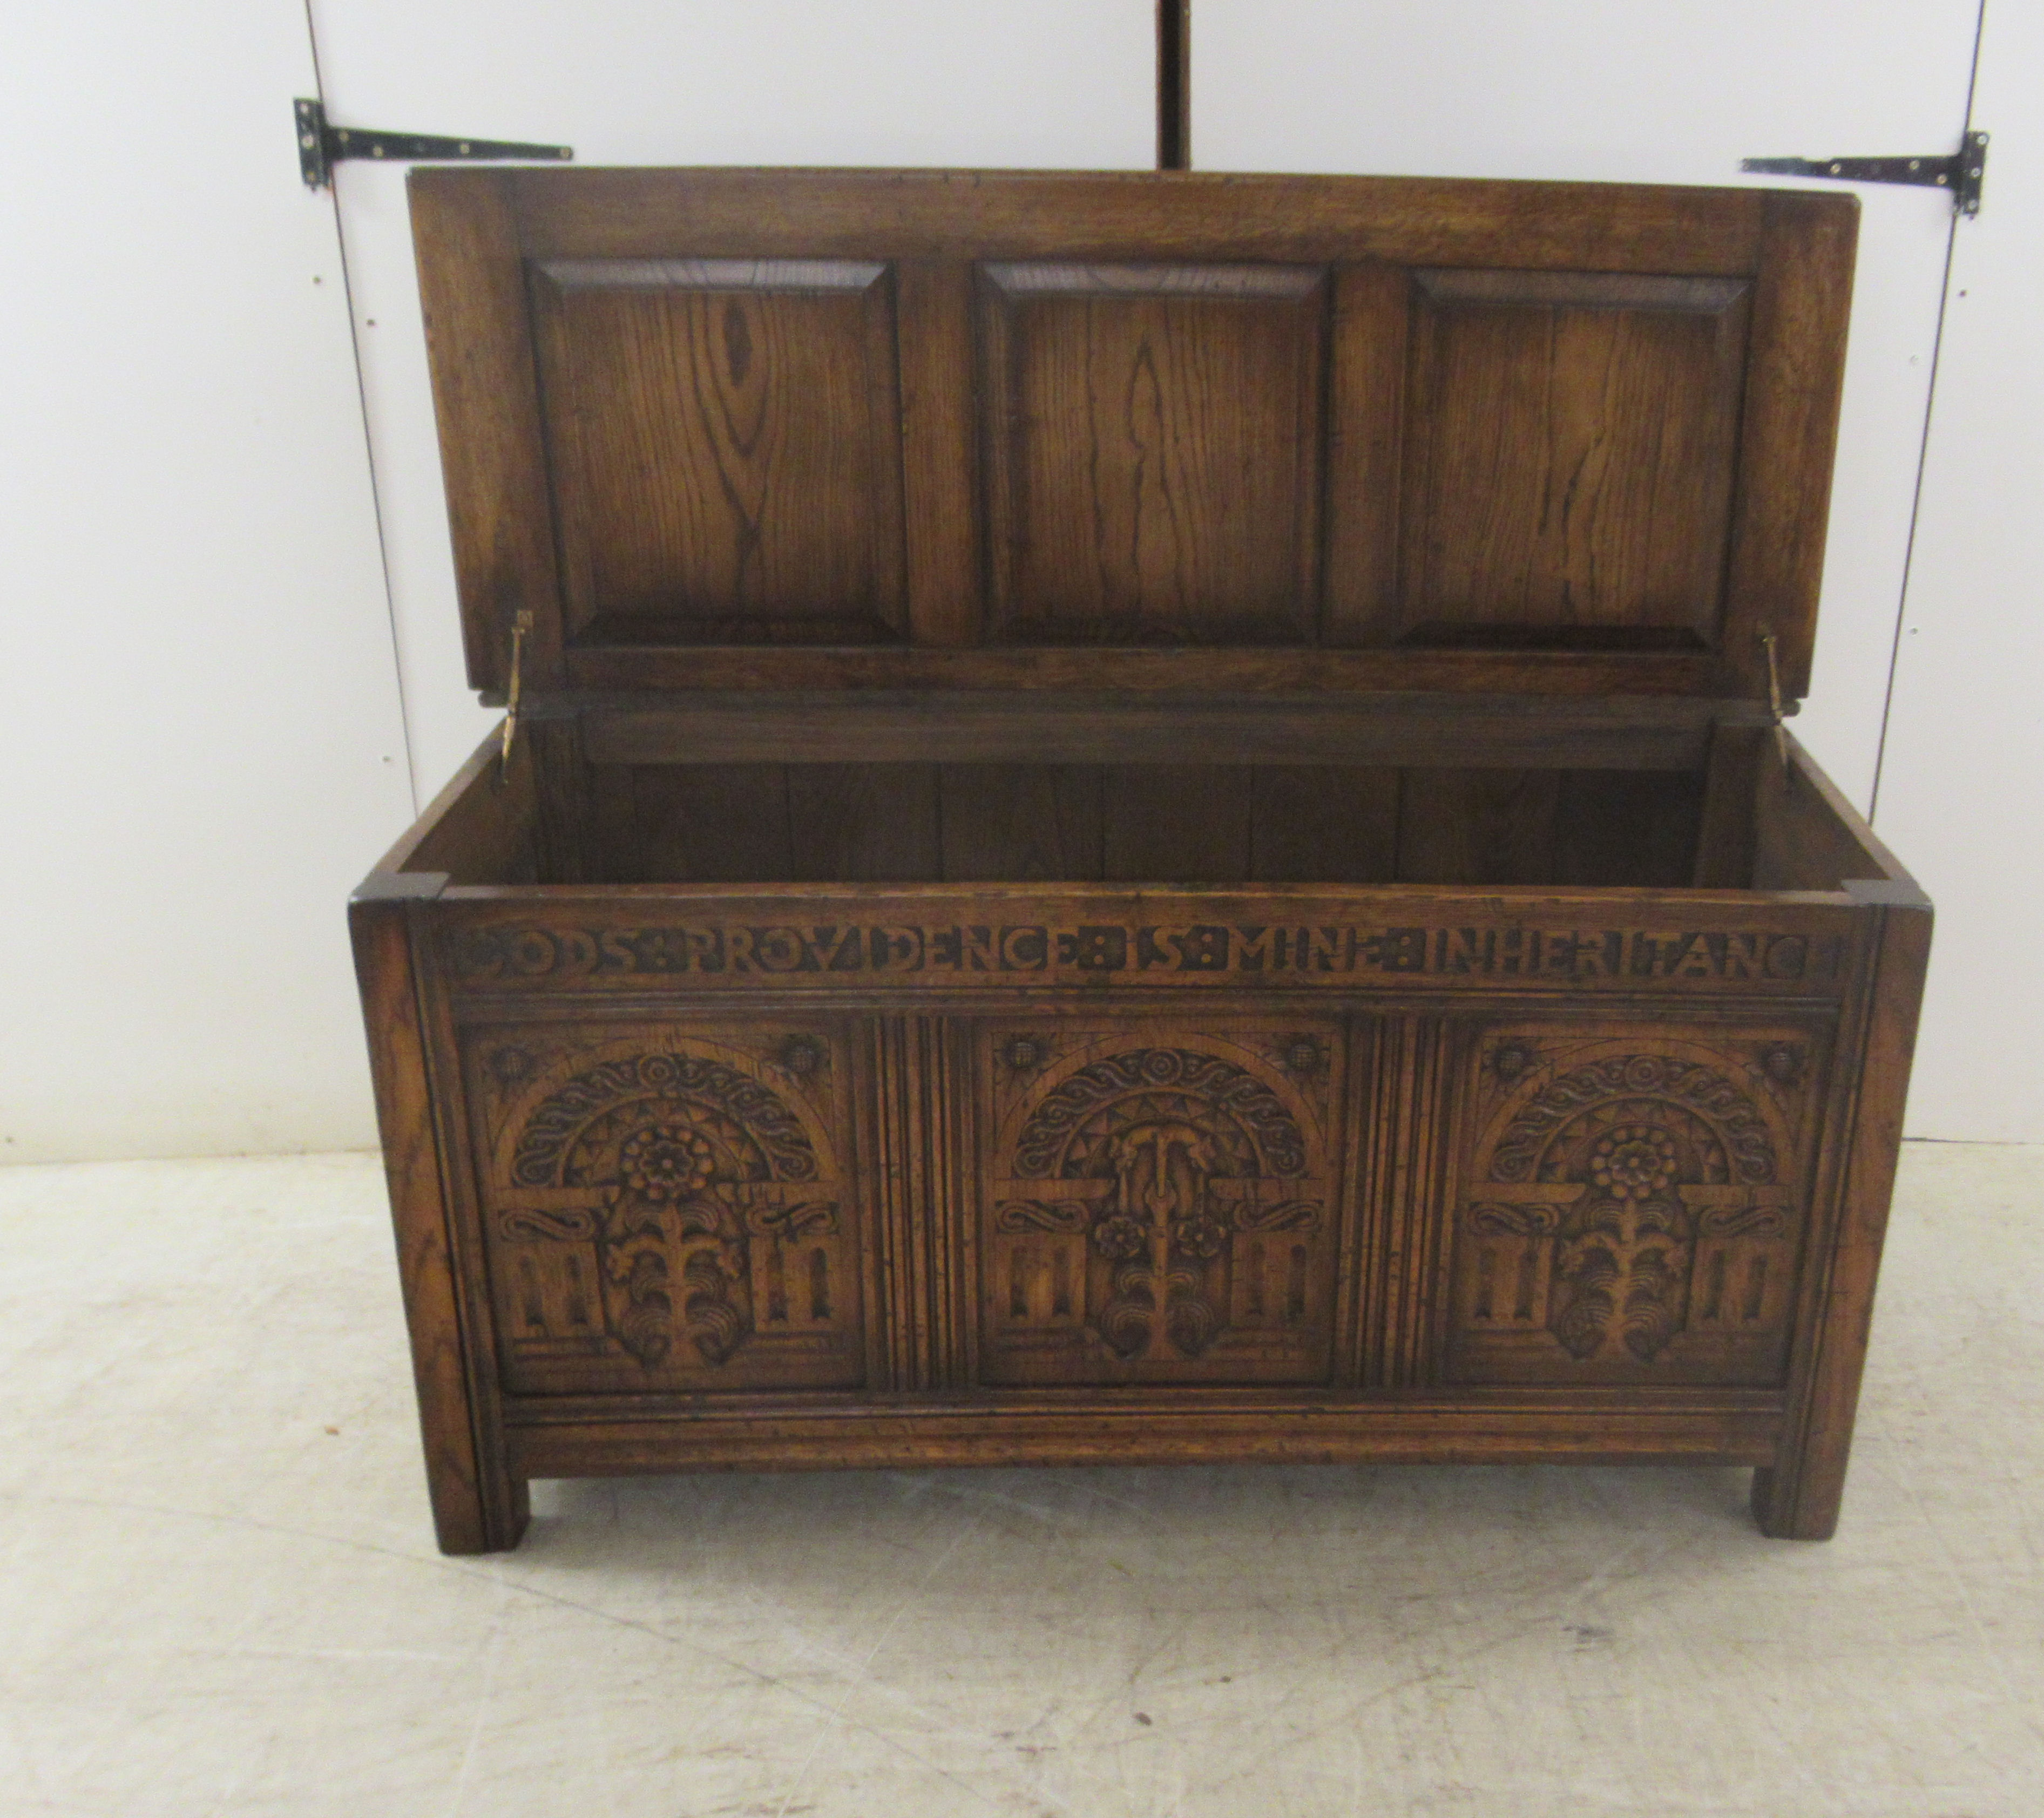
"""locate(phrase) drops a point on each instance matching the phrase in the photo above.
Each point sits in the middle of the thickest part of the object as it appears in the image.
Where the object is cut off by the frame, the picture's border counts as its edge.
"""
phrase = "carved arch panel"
(667, 1209)
(1159, 1204)
(1632, 1204)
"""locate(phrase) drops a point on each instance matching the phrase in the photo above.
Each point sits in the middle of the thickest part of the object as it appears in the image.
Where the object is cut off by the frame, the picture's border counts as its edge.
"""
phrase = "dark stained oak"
(1595, 733)
(1180, 823)
(478, 1506)
(1152, 452)
(1145, 828)
(1021, 822)
(886, 430)
(1618, 828)
(876, 821)
(1568, 463)
(771, 381)
(727, 823)
(1477, 827)
(1321, 823)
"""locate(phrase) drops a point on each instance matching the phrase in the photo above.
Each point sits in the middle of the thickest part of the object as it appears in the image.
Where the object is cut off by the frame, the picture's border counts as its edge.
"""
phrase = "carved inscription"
(1157, 1211)
(1631, 1213)
(670, 1208)
(720, 954)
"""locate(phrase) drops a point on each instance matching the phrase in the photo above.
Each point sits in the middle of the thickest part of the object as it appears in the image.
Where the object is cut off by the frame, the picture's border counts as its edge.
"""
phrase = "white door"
(1678, 92)
(1961, 793)
(1585, 89)
(203, 751)
(1056, 82)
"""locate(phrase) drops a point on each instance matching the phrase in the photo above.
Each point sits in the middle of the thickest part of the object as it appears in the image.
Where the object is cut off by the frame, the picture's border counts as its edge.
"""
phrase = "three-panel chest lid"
(719, 430)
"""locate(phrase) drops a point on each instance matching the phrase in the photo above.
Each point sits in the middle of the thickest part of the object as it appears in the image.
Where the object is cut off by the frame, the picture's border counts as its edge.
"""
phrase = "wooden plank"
(485, 397)
(1324, 824)
(864, 823)
(1626, 829)
(1477, 827)
(1090, 728)
(1400, 1160)
(760, 213)
(1724, 837)
(911, 1119)
(1273, 1429)
(1567, 472)
(1152, 449)
(1797, 1496)
(1366, 412)
(1177, 823)
(621, 668)
(724, 440)
(612, 836)
(712, 823)
(479, 829)
(1796, 376)
(939, 451)
(561, 808)
(1020, 822)
(476, 1507)
(1471, 940)
(1807, 836)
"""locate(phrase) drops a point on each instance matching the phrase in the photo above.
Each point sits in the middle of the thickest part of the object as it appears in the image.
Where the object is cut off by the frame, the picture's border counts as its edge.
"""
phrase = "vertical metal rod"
(1174, 85)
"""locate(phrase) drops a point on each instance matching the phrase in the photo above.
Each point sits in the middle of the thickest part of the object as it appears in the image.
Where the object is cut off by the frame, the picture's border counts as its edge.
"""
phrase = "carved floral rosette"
(1629, 1210)
(666, 1207)
(1158, 1208)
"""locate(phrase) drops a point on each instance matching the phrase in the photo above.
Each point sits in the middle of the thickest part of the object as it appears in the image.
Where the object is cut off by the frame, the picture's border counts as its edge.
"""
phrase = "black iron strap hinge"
(321, 145)
(1961, 176)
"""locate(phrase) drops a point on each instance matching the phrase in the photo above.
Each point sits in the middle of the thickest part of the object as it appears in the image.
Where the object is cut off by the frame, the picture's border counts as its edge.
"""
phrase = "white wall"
(1962, 779)
(205, 743)
(201, 746)
(1678, 92)
(1054, 83)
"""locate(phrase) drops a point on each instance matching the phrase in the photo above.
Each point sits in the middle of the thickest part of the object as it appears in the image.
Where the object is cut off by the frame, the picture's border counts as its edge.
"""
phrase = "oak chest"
(1143, 819)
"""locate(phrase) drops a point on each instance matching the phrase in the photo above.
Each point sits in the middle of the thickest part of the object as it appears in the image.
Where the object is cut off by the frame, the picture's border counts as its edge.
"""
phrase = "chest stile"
(1141, 818)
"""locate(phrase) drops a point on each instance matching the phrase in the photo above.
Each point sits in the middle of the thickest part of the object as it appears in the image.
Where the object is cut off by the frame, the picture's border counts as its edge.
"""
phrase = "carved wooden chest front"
(1144, 820)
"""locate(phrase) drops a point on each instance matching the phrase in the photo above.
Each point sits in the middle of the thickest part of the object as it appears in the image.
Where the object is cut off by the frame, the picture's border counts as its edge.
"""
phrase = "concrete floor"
(219, 1593)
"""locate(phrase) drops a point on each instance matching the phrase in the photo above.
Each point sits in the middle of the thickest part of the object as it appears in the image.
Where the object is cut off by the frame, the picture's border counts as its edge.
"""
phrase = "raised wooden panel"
(1151, 439)
(1632, 1203)
(1005, 431)
(725, 440)
(668, 1209)
(1158, 1202)
(1567, 461)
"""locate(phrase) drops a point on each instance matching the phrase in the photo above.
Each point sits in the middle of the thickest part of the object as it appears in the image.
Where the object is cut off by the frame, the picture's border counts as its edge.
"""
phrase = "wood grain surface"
(886, 430)
(1145, 828)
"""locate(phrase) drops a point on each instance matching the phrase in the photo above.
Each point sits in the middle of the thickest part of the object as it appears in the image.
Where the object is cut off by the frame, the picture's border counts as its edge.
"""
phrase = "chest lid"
(718, 429)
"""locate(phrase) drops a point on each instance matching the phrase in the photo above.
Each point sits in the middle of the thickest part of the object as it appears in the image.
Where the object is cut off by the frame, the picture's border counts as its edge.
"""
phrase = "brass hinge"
(520, 628)
(1774, 707)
